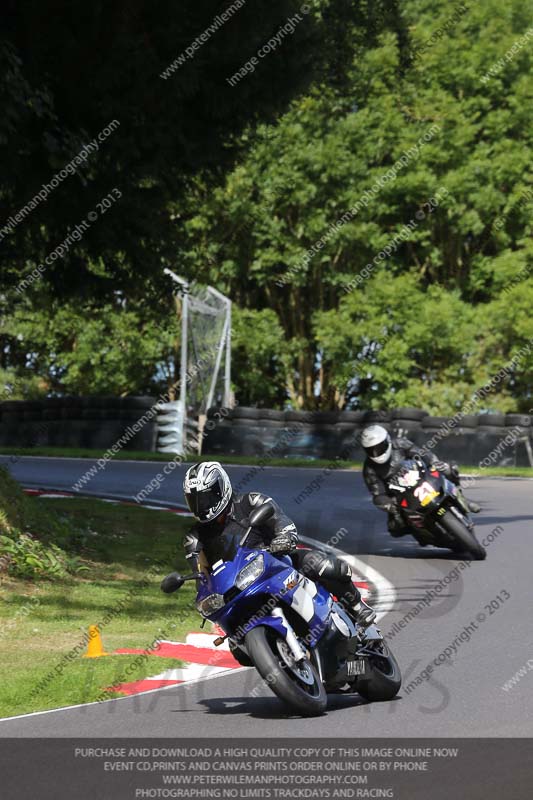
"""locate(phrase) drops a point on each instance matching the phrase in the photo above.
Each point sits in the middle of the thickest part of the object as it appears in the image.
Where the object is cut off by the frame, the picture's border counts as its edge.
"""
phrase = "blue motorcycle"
(300, 640)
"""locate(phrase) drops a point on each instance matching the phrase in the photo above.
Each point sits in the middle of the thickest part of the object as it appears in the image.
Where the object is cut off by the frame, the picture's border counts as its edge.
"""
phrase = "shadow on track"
(271, 707)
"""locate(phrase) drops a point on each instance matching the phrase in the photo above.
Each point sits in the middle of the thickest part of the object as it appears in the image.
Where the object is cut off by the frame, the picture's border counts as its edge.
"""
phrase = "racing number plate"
(428, 498)
(356, 667)
(425, 493)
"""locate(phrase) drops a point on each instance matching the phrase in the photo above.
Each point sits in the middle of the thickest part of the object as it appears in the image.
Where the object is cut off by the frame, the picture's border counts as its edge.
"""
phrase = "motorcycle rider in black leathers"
(219, 510)
(383, 456)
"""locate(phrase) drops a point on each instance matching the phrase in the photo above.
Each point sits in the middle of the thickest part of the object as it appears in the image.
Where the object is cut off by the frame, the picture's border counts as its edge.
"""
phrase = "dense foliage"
(403, 158)
(33, 543)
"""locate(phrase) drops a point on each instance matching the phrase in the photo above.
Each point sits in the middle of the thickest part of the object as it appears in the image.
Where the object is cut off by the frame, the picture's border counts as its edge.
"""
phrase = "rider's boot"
(468, 505)
(397, 526)
(355, 606)
(364, 615)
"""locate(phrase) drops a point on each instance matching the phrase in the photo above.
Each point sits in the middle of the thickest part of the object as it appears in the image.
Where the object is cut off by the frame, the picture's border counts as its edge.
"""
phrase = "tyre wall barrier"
(80, 422)
(496, 439)
(100, 422)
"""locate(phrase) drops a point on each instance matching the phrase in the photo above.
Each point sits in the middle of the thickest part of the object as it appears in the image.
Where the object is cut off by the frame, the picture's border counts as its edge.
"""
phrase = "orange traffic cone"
(95, 648)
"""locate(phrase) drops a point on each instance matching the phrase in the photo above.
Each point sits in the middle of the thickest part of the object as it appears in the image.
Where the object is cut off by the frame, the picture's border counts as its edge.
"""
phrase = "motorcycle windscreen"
(221, 548)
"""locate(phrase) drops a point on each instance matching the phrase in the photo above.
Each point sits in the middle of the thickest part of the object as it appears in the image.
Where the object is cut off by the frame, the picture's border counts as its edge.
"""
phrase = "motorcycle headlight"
(210, 604)
(250, 572)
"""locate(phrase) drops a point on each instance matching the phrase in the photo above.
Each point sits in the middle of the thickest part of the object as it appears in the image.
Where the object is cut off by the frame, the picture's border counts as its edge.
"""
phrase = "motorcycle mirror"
(172, 583)
(260, 515)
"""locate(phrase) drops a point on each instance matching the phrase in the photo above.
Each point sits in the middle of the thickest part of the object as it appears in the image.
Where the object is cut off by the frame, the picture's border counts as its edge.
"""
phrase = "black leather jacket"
(201, 536)
(376, 475)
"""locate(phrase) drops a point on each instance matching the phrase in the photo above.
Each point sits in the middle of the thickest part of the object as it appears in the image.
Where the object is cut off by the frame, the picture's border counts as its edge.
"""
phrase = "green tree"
(71, 68)
(287, 229)
(116, 348)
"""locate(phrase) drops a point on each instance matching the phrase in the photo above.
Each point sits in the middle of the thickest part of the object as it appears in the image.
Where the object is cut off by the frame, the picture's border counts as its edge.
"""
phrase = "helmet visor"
(377, 450)
(202, 502)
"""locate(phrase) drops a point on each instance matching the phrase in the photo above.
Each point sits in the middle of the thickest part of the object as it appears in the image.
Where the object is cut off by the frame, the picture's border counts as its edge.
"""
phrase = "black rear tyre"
(465, 539)
(383, 678)
(307, 699)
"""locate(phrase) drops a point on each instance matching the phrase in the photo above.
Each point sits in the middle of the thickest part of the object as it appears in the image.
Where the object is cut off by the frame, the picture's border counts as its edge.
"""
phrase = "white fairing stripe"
(302, 602)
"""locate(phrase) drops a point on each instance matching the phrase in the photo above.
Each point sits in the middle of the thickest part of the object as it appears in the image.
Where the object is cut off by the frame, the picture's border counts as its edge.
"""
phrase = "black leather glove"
(390, 506)
(283, 543)
(441, 466)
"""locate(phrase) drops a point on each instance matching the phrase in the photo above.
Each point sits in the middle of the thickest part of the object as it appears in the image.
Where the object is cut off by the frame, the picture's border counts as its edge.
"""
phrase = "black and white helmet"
(377, 444)
(207, 490)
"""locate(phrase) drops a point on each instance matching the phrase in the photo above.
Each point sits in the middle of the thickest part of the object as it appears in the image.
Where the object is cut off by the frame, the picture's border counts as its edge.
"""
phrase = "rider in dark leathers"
(376, 476)
(278, 533)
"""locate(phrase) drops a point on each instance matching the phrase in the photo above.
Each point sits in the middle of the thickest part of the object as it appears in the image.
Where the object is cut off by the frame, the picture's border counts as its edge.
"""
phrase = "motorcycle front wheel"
(465, 541)
(297, 684)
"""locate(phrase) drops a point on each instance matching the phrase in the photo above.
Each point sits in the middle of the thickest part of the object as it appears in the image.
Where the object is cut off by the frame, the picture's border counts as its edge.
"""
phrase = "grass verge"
(310, 463)
(138, 455)
(123, 552)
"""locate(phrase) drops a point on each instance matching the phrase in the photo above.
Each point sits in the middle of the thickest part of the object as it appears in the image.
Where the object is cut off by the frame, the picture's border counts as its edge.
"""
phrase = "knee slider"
(345, 572)
(333, 568)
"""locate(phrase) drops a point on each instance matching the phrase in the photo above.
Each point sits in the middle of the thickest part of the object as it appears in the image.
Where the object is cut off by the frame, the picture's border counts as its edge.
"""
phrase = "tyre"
(72, 401)
(219, 412)
(32, 405)
(272, 413)
(469, 421)
(246, 412)
(71, 413)
(348, 426)
(404, 427)
(297, 416)
(492, 420)
(298, 686)
(416, 414)
(252, 447)
(383, 678)
(522, 420)
(90, 413)
(52, 413)
(239, 655)
(33, 416)
(466, 541)
(323, 417)
(134, 402)
(13, 406)
(376, 417)
(54, 402)
(353, 417)
(435, 422)
(244, 422)
(130, 415)
(322, 430)
(11, 418)
(492, 430)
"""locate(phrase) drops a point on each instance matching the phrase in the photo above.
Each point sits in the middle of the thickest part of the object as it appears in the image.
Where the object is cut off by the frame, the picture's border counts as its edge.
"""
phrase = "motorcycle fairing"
(280, 581)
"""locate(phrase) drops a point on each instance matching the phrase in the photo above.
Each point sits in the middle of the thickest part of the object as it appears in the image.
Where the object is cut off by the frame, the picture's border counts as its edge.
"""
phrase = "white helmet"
(377, 443)
(207, 490)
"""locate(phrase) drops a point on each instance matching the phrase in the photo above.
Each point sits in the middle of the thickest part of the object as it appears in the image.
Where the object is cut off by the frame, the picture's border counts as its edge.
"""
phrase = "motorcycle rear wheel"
(305, 695)
(465, 540)
(382, 679)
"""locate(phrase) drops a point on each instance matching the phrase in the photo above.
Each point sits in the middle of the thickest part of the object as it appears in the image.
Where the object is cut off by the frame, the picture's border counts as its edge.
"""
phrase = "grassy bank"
(118, 555)
(138, 455)
(318, 463)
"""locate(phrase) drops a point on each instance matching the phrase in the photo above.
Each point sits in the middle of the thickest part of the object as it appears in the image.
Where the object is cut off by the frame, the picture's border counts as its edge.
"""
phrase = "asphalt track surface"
(462, 697)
